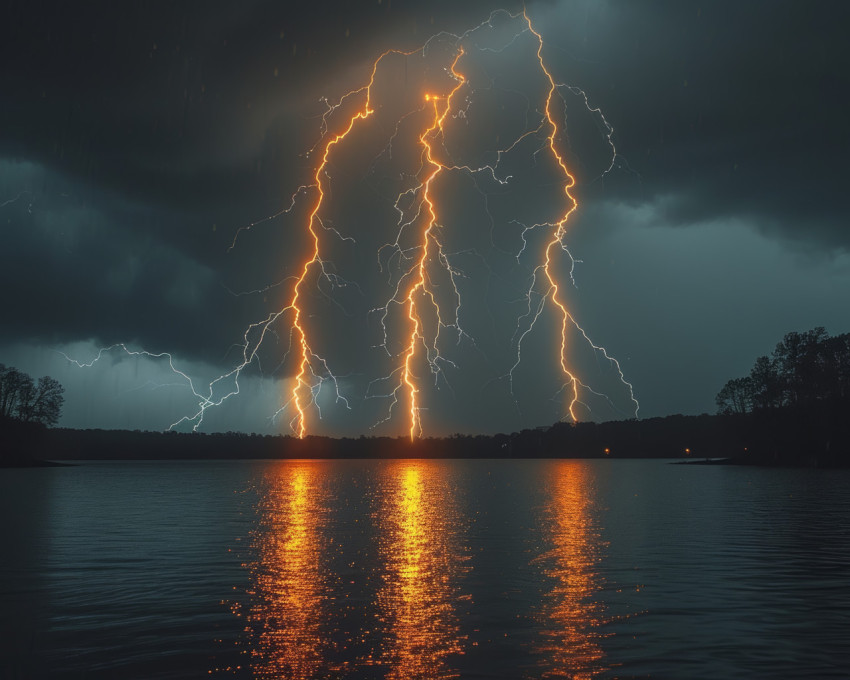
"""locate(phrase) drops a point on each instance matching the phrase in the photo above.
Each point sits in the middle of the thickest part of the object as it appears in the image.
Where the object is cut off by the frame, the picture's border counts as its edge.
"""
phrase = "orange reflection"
(419, 528)
(286, 616)
(571, 619)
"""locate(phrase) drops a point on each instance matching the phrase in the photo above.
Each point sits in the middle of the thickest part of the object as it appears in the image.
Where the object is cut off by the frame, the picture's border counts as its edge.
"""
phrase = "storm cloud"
(135, 143)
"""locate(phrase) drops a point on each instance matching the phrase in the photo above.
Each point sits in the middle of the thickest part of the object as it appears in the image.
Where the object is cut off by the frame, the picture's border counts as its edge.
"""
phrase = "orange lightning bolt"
(560, 226)
(420, 285)
(302, 391)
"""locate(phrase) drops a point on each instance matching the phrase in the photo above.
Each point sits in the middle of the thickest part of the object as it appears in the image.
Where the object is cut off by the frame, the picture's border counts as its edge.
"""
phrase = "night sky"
(137, 140)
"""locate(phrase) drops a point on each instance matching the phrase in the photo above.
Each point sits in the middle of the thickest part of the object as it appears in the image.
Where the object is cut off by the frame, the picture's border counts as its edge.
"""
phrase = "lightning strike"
(429, 241)
(421, 275)
(556, 241)
(15, 199)
(553, 290)
(304, 387)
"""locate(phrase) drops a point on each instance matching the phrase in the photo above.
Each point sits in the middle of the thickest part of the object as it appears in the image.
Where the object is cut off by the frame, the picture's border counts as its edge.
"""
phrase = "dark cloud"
(136, 140)
(88, 268)
(173, 100)
(731, 108)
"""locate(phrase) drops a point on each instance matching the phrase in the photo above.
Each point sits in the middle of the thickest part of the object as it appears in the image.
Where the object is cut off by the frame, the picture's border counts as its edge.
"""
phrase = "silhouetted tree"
(804, 368)
(800, 364)
(837, 353)
(766, 385)
(12, 382)
(25, 400)
(41, 403)
(735, 397)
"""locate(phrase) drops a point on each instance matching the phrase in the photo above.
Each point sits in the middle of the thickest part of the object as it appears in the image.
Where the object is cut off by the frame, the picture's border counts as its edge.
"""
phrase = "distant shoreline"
(806, 437)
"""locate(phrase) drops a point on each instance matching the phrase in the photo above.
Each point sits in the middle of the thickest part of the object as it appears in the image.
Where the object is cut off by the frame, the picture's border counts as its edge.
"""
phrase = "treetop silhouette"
(21, 398)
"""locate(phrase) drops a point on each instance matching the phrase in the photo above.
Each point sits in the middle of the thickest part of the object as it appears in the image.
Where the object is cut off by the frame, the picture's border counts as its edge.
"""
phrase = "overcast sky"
(137, 140)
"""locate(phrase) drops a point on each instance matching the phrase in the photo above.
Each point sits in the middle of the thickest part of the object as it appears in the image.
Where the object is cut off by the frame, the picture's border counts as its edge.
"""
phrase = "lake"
(424, 569)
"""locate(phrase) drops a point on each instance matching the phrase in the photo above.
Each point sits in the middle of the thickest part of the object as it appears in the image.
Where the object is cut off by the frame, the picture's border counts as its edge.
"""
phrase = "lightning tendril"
(422, 275)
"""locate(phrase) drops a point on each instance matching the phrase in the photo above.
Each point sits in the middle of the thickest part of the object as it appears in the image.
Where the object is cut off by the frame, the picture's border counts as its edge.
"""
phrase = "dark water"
(412, 569)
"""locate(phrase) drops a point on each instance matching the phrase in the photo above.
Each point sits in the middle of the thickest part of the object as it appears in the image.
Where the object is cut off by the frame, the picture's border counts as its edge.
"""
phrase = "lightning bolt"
(304, 392)
(559, 231)
(553, 287)
(430, 242)
(422, 276)
(20, 195)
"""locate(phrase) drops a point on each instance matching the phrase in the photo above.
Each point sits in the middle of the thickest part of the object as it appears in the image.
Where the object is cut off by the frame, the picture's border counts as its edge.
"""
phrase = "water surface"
(424, 569)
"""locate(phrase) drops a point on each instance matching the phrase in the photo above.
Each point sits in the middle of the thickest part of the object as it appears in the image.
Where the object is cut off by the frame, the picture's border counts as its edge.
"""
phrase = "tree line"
(804, 368)
(24, 399)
